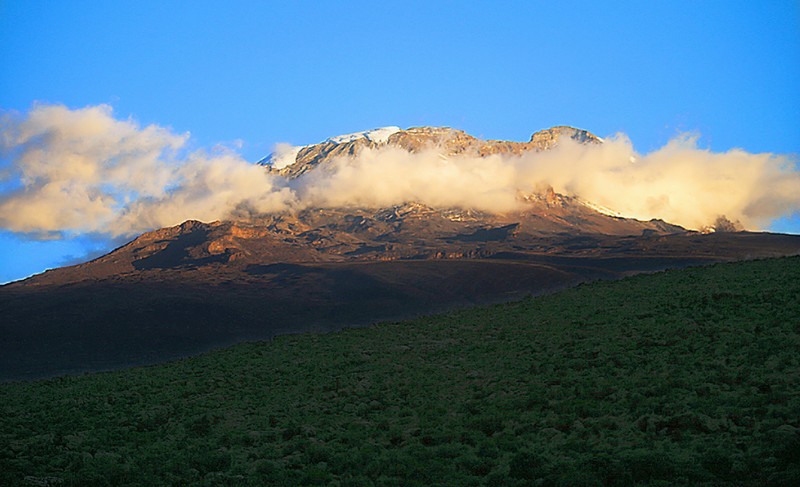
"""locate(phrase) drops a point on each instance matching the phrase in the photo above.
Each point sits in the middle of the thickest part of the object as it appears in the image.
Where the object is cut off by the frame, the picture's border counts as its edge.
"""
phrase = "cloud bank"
(79, 171)
(83, 171)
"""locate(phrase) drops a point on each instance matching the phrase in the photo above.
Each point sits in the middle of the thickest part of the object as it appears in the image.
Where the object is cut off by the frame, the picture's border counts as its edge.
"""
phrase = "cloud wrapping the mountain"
(209, 188)
(76, 171)
(390, 175)
(84, 171)
(79, 168)
(679, 183)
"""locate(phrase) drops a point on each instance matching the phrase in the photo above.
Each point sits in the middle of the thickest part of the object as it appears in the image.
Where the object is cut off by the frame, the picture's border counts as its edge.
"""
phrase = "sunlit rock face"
(292, 162)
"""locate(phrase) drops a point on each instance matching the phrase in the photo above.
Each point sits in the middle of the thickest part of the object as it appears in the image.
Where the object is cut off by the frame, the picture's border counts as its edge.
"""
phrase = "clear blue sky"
(299, 72)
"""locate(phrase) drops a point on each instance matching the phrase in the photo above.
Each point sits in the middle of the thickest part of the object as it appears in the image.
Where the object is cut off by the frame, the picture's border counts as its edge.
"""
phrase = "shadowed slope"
(116, 311)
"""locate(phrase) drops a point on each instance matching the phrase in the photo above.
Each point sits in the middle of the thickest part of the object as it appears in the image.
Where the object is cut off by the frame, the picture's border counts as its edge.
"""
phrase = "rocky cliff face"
(547, 139)
(449, 141)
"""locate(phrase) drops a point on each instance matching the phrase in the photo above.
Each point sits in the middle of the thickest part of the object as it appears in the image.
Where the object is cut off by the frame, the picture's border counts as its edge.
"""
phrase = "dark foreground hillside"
(683, 377)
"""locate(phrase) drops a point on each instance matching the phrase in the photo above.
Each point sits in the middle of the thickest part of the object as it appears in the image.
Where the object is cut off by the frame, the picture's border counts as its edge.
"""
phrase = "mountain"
(201, 285)
(293, 162)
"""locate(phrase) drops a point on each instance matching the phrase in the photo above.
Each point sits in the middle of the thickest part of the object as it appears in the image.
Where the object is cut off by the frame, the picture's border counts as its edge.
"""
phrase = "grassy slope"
(680, 377)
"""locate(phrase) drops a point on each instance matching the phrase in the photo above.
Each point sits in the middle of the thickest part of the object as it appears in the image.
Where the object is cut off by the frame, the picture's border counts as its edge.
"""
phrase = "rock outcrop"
(449, 141)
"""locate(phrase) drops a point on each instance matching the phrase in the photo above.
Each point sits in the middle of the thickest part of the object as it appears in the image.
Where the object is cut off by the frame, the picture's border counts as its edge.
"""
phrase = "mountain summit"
(293, 161)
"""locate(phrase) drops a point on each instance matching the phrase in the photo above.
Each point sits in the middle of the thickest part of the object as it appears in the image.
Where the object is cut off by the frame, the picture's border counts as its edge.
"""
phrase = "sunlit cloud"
(84, 171)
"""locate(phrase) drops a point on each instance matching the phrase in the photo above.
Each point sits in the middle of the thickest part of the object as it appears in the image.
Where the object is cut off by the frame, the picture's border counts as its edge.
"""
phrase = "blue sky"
(251, 74)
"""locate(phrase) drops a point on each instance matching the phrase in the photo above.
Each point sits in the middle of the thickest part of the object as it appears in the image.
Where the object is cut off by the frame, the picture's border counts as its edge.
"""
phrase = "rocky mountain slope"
(451, 142)
(404, 232)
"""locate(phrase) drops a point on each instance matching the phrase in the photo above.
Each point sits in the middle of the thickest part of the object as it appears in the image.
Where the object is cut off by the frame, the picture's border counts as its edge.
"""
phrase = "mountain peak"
(293, 161)
(548, 138)
(379, 135)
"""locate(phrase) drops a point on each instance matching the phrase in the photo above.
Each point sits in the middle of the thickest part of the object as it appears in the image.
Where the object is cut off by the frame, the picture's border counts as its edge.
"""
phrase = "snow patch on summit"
(379, 136)
(284, 155)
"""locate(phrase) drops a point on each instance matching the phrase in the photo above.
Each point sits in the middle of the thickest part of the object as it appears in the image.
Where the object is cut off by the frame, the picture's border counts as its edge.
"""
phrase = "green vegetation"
(683, 377)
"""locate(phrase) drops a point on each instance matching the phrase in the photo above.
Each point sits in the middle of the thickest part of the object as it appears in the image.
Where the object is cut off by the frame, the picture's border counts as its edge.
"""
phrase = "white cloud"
(85, 171)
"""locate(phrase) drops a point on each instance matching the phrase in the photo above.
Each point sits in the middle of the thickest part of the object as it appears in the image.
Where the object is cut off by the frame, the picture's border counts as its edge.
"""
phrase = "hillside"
(680, 377)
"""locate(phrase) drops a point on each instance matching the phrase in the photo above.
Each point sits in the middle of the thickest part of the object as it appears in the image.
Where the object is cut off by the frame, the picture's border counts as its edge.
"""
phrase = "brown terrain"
(197, 286)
